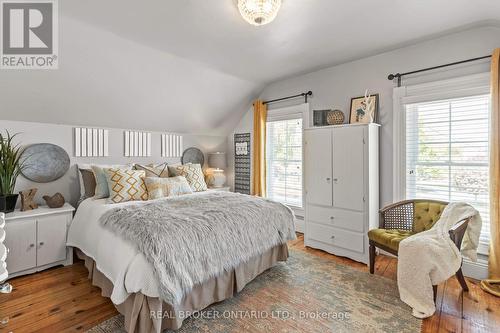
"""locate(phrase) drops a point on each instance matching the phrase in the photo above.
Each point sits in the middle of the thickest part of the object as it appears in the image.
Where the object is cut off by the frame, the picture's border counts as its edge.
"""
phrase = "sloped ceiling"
(106, 80)
(194, 65)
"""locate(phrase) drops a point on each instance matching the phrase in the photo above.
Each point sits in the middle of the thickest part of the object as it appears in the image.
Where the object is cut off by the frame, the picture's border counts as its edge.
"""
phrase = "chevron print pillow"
(194, 176)
(152, 170)
(126, 185)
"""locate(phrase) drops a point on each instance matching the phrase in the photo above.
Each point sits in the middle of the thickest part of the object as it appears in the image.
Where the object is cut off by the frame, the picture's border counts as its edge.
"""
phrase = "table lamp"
(215, 173)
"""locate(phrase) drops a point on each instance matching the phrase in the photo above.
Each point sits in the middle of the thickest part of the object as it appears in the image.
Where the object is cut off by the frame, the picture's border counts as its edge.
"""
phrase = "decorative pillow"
(172, 170)
(160, 170)
(194, 176)
(88, 183)
(80, 180)
(126, 185)
(101, 189)
(167, 187)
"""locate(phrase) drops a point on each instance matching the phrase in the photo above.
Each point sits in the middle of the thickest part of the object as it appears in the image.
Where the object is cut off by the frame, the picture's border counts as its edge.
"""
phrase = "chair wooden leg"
(435, 291)
(461, 280)
(372, 259)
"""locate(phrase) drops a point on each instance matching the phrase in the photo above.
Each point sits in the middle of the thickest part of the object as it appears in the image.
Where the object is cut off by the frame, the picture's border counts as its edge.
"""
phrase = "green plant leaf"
(11, 163)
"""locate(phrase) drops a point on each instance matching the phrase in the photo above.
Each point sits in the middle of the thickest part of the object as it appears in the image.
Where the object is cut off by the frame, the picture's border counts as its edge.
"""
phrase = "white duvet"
(118, 259)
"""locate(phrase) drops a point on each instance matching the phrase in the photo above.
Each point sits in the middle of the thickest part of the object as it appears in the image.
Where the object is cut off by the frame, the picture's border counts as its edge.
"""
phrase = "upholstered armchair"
(405, 218)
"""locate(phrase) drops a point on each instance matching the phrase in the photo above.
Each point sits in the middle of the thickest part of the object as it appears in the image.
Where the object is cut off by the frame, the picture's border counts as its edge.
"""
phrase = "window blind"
(447, 152)
(284, 161)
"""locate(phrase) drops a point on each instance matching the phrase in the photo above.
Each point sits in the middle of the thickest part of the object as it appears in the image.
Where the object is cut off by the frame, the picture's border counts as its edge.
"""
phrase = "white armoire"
(341, 186)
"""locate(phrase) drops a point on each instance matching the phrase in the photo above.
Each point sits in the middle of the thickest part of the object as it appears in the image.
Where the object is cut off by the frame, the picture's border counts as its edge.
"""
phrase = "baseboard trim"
(300, 225)
(477, 270)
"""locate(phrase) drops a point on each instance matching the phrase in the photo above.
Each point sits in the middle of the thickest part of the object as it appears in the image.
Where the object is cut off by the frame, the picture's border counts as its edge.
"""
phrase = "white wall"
(62, 135)
(333, 87)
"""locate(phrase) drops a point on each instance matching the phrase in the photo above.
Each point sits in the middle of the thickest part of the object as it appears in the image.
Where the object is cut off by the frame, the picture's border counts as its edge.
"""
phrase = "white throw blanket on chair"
(430, 257)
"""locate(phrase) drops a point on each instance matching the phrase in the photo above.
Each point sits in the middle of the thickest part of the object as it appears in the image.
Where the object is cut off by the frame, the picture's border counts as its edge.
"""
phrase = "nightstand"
(36, 239)
(223, 189)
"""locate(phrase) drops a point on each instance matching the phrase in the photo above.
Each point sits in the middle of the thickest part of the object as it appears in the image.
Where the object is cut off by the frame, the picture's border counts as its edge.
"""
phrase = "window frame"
(288, 113)
(465, 86)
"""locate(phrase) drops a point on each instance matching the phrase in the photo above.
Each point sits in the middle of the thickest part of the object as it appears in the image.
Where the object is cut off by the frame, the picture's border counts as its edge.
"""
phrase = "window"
(284, 161)
(447, 152)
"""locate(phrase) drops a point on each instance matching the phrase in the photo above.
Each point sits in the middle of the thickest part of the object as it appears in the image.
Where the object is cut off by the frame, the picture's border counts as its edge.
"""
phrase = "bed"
(128, 277)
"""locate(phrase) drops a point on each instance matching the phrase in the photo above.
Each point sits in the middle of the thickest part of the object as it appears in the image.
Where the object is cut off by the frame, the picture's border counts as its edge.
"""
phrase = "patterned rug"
(305, 294)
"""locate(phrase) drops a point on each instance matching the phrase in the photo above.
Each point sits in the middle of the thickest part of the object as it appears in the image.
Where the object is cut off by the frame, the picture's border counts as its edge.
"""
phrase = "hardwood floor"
(475, 311)
(62, 300)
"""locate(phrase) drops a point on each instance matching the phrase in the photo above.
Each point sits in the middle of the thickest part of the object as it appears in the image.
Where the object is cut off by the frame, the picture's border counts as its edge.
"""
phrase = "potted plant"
(10, 168)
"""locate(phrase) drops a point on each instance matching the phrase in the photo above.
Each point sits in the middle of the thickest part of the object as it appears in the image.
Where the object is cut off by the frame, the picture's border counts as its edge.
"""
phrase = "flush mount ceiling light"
(259, 12)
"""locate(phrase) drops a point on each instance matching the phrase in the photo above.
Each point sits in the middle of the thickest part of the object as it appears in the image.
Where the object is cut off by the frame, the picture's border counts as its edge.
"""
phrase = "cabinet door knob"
(328, 179)
(32, 245)
(41, 243)
(335, 179)
(332, 217)
(332, 237)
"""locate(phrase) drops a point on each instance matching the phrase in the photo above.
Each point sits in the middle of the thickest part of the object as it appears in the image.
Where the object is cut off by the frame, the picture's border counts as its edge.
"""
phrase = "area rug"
(306, 294)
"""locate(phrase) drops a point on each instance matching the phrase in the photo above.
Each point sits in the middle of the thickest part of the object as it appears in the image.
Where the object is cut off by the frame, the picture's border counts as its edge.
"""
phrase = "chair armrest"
(457, 232)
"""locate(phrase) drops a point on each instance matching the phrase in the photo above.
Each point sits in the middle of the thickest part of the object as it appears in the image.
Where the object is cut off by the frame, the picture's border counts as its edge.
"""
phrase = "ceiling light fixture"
(259, 12)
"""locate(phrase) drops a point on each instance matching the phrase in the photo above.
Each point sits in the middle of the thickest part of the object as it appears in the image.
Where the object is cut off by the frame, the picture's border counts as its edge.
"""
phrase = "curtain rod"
(304, 94)
(400, 75)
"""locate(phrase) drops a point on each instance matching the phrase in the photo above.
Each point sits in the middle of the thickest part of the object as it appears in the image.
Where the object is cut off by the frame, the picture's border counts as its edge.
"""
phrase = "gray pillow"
(88, 183)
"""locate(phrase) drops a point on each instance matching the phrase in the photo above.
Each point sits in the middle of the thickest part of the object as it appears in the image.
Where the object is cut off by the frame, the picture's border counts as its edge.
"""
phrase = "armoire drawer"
(336, 237)
(339, 218)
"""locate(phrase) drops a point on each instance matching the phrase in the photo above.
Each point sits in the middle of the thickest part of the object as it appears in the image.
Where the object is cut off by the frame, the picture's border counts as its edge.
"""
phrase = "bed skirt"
(144, 314)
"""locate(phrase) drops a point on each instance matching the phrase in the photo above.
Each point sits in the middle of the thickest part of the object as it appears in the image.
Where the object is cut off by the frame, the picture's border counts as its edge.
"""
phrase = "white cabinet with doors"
(341, 188)
(36, 239)
(317, 173)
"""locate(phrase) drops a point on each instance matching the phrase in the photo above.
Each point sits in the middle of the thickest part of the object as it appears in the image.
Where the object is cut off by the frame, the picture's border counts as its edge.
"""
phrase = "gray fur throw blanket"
(190, 239)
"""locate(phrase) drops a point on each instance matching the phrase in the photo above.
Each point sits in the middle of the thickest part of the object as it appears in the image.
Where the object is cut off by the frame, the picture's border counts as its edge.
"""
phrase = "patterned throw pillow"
(159, 170)
(167, 187)
(194, 176)
(126, 185)
(101, 189)
(172, 170)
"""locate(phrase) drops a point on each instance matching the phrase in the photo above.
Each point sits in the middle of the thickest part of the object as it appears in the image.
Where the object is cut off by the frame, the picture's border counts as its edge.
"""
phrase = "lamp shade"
(217, 160)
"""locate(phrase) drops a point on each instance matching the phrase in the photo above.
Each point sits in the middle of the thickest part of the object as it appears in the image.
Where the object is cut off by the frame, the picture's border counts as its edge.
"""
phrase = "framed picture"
(363, 111)
(319, 117)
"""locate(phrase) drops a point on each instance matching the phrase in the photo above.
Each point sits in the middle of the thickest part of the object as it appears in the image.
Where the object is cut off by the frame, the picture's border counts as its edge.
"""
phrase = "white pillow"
(167, 187)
